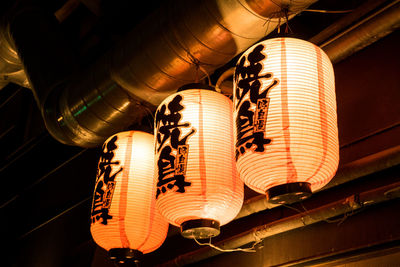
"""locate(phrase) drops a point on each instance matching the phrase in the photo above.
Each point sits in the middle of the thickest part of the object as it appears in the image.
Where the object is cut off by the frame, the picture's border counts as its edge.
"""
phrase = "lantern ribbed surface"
(124, 213)
(285, 113)
(195, 168)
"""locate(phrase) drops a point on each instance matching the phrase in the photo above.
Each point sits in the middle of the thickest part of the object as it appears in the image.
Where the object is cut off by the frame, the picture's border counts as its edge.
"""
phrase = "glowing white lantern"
(198, 187)
(124, 218)
(286, 127)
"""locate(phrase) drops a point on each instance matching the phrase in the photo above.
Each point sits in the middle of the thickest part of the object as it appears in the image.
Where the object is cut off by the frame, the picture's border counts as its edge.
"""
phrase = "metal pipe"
(365, 166)
(151, 62)
(225, 75)
(267, 9)
(171, 42)
(336, 208)
(348, 172)
(361, 34)
(11, 69)
(358, 168)
(349, 19)
(364, 33)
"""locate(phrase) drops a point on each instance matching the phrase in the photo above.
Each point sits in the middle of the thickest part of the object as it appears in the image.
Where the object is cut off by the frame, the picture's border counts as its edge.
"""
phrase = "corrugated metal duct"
(11, 69)
(153, 61)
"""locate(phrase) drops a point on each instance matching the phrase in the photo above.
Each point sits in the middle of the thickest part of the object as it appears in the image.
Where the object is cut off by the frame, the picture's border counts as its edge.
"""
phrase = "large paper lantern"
(198, 187)
(124, 218)
(286, 135)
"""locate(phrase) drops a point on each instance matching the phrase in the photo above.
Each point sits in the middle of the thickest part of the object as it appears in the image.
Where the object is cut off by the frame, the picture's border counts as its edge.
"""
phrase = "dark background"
(47, 186)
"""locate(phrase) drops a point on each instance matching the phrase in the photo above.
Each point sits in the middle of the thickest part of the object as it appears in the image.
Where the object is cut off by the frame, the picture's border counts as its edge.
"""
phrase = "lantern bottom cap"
(124, 255)
(288, 193)
(200, 228)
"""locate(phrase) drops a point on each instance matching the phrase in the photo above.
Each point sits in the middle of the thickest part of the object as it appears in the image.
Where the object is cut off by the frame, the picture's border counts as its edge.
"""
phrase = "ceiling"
(47, 186)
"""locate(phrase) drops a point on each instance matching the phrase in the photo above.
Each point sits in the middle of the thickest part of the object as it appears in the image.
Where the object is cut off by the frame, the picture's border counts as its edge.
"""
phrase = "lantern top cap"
(196, 86)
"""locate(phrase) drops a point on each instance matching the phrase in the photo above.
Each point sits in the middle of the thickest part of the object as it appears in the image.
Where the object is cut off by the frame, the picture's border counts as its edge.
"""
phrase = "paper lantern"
(286, 135)
(198, 187)
(124, 218)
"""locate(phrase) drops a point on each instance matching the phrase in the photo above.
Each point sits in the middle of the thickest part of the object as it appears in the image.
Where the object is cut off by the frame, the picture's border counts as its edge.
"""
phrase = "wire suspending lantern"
(198, 188)
(124, 218)
(286, 124)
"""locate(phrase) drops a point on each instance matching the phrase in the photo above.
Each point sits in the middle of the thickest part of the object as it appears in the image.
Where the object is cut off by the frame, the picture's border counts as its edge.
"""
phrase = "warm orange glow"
(286, 125)
(197, 176)
(126, 217)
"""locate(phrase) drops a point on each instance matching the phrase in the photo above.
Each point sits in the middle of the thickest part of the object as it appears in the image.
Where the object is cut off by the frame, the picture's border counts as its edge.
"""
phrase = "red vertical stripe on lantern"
(209, 192)
(124, 193)
(291, 170)
(202, 162)
(152, 215)
(323, 112)
(135, 222)
(236, 186)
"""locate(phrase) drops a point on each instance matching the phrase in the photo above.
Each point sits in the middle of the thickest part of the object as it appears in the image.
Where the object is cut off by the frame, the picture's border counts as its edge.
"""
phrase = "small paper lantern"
(124, 218)
(286, 133)
(198, 187)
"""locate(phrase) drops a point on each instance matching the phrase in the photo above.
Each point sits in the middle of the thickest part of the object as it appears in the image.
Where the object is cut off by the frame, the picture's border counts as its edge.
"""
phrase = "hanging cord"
(279, 26)
(313, 10)
(286, 14)
(285, 11)
(268, 22)
(199, 66)
(354, 201)
(274, 15)
(223, 77)
(282, 14)
(340, 220)
(195, 61)
(149, 112)
(146, 120)
(298, 211)
(206, 73)
(250, 249)
(328, 11)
